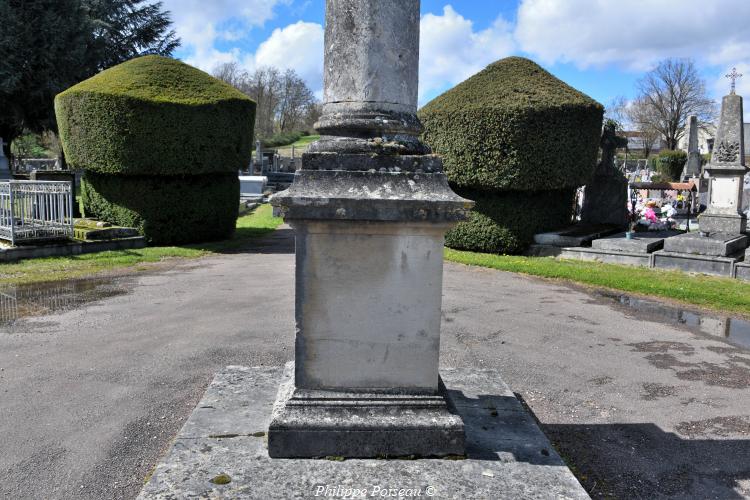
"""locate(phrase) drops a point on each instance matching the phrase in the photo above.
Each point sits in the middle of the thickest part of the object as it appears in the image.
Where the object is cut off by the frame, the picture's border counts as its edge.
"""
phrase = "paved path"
(90, 398)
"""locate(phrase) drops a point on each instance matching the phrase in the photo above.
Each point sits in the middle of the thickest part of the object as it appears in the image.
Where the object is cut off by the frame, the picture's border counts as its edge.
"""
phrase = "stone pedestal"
(370, 208)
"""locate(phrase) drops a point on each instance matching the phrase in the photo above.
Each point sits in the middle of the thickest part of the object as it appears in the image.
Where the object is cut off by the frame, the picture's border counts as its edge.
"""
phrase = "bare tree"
(295, 99)
(232, 74)
(284, 102)
(643, 118)
(669, 94)
(617, 111)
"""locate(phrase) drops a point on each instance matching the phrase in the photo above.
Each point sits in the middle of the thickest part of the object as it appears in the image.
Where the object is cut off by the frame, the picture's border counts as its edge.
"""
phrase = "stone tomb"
(720, 244)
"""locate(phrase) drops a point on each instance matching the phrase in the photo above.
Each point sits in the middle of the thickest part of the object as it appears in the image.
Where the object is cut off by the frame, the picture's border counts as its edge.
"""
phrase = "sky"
(601, 47)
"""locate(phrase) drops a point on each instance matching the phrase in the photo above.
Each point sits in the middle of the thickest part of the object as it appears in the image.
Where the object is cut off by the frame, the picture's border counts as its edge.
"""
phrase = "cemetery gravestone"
(693, 164)
(370, 209)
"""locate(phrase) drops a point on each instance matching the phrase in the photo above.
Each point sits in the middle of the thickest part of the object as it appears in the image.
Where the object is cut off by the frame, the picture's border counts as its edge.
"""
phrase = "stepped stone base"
(507, 455)
(310, 424)
(715, 244)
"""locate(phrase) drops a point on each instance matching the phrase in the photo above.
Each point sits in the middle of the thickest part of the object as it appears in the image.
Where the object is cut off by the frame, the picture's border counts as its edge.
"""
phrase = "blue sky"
(601, 47)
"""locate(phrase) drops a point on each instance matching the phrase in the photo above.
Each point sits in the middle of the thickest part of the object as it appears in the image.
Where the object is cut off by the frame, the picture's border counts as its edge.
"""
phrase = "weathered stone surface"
(693, 165)
(313, 423)
(506, 456)
(692, 263)
(368, 305)
(715, 244)
(742, 270)
(643, 242)
(607, 256)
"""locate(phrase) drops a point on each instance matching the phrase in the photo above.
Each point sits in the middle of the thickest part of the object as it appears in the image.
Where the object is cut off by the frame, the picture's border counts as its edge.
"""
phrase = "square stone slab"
(507, 454)
(643, 242)
(716, 244)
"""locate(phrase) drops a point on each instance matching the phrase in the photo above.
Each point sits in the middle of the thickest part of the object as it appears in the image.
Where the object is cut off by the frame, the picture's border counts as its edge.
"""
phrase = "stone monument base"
(221, 451)
(715, 244)
(720, 223)
(313, 424)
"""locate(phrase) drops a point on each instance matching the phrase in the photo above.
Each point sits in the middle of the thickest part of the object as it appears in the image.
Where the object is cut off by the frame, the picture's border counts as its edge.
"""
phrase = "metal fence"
(35, 210)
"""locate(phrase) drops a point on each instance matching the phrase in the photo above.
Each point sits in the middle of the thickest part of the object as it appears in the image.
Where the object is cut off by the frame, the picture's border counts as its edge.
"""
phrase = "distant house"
(706, 133)
(636, 142)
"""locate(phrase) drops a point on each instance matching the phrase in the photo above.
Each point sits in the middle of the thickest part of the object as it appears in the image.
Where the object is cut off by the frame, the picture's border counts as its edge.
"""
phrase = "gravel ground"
(93, 396)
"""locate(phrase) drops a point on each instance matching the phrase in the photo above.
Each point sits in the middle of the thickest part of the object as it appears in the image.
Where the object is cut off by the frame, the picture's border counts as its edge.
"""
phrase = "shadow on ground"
(643, 461)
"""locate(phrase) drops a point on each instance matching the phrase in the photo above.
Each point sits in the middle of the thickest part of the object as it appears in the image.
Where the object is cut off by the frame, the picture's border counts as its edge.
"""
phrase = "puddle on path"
(733, 330)
(38, 299)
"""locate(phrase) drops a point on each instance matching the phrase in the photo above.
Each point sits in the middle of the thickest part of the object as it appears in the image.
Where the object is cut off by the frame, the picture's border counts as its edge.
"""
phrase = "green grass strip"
(253, 225)
(721, 294)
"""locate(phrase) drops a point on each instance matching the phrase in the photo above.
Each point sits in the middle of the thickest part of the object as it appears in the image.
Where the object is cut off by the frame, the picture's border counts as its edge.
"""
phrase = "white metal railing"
(35, 210)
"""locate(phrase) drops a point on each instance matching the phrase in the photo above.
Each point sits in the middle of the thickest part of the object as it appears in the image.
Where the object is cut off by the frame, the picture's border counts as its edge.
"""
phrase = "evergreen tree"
(47, 46)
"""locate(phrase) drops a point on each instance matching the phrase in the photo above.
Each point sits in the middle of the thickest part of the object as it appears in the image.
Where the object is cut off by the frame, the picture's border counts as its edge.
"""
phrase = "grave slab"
(607, 256)
(507, 455)
(692, 263)
(575, 236)
(644, 242)
(742, 270)
(715, 244)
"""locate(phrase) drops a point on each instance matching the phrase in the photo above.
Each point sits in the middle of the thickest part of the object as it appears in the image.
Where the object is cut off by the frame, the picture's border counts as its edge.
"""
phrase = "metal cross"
(733, 76)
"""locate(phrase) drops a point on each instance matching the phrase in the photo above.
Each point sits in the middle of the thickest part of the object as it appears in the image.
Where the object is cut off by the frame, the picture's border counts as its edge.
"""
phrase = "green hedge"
(167, 210)
(514, 126)
(283, 139)
(506, 222)
(670, 163)
(155, 116)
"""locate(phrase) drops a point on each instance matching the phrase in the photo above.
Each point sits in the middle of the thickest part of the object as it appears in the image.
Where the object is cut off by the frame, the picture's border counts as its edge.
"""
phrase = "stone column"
(726, 173)
(370, 208)
(693, 164)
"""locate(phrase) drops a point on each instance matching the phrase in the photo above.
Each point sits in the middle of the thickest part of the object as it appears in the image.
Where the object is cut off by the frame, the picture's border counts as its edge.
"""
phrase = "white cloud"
(451, 51)
(198, 24)
(633, 33)
(298, 46)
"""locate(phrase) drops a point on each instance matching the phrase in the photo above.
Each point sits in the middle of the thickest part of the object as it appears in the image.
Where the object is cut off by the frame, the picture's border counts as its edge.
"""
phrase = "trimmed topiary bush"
(155, 116)
(519, 142)
(161, 143)
(167, 210)
(514, 126)
(505, 222)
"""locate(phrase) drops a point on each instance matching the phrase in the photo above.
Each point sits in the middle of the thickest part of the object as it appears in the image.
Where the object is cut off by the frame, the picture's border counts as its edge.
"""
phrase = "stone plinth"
(575, 236)
(507, 455)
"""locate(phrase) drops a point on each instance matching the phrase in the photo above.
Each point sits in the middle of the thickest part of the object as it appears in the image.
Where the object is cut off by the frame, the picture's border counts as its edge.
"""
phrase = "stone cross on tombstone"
(4, 164)
(733, 76)
(370, 208)
(726, 173)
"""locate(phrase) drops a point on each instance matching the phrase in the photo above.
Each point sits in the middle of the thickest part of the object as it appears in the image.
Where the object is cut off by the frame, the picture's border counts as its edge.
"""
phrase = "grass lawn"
(251, 225)
(721, 294)
(299, 146)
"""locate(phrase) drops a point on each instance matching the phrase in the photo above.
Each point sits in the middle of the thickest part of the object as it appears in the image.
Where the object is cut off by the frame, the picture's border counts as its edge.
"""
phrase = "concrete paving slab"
(507, 454)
